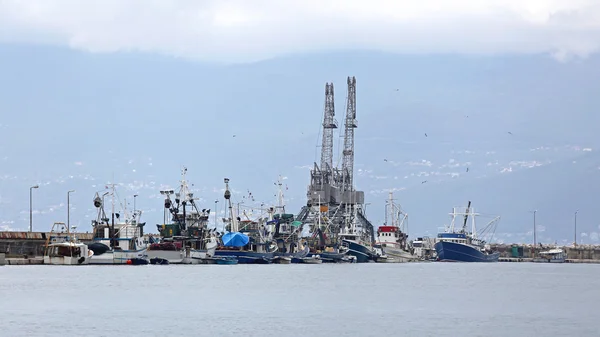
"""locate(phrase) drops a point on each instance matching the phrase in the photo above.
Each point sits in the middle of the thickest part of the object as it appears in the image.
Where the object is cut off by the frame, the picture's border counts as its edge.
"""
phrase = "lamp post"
(575, 230)
(30, 207)
(216, 202)
(534, 243)
(69, 210)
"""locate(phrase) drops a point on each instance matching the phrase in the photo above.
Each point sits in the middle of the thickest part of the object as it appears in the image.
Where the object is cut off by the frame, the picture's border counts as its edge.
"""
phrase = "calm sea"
(414, 299)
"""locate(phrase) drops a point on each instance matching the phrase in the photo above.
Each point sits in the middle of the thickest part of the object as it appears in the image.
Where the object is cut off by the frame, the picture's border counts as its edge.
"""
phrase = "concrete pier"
(509, 252)
(30, 244)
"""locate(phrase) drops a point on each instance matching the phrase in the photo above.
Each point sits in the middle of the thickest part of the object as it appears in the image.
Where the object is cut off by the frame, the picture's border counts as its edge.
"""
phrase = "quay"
(18, 248)
(27, 248)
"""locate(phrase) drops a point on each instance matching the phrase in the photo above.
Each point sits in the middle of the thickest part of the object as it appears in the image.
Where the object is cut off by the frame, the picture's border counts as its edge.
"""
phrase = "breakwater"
(519, 251)
(29, 244)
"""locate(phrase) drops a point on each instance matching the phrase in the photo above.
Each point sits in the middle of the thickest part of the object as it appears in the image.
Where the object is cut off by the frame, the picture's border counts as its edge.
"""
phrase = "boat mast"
(227, 196)
(280, 202)
(464, 227)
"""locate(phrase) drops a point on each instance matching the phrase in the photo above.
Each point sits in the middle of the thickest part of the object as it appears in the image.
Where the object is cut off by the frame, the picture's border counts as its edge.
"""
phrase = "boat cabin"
(67, 253)
(452, 237)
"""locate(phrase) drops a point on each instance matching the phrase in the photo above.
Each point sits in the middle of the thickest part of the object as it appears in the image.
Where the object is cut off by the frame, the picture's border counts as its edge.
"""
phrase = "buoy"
(129, 262)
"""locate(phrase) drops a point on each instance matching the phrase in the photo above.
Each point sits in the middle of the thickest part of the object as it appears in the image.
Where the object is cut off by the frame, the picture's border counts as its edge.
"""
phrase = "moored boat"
(392, 237)
(464, 246)
(118, 239)
(63, 248)
(555, 255)
(187, 239)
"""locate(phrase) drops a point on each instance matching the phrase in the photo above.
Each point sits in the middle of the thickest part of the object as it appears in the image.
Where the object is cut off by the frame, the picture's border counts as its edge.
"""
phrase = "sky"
(75, 69)
(247, 31)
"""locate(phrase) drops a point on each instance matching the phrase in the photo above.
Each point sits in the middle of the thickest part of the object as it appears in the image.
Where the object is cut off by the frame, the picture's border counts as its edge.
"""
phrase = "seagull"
(425, 134)
(234, 135)
(510, 133)
(424, 181)
(467, 169)
(385, 160)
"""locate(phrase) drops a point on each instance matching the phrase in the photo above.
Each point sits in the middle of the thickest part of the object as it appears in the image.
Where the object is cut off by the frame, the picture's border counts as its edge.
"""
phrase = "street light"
(534, 241)
(575, 233)
(30, 207)
(216, 201)
(69, 210)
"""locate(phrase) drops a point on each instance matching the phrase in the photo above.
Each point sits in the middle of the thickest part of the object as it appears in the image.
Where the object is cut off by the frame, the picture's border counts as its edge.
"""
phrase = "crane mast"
(349, 125)
(329, 124)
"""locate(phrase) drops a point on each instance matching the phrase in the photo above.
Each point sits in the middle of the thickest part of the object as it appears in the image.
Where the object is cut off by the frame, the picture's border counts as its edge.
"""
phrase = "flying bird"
(425, 134)
(467, 169)
(234, 135)
(385, 160)
(510, 133)
(424, 181)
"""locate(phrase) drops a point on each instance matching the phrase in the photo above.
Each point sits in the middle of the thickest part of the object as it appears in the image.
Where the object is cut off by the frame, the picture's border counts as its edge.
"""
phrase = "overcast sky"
(244, 31)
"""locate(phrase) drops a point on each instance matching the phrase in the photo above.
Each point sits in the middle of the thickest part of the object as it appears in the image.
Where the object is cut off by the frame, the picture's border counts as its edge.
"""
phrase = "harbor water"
(411, 299)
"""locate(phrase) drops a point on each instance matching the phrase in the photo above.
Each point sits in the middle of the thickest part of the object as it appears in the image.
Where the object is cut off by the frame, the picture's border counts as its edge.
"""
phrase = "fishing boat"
(392, 236)
(423, 248)
(119, 239)
(353, 239)
(187, 238)
(461, 245)
(247, 240)
(63, 248)
(286, 230)
(555, 255)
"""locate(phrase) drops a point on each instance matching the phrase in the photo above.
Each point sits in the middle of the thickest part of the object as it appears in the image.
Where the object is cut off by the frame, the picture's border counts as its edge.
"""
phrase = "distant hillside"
(72, 120)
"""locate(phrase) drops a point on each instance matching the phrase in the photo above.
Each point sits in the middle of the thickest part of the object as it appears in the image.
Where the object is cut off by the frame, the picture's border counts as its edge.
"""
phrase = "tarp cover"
(235, 239)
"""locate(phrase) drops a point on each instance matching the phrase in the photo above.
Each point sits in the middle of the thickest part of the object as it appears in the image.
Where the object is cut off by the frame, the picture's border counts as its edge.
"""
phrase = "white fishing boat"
(555, 255)
(392, 237)
(117, 239)
(187, 239)
(63, 248)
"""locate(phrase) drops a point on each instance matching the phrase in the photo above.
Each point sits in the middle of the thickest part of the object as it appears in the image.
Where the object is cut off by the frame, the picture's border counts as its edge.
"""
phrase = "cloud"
(242, 31)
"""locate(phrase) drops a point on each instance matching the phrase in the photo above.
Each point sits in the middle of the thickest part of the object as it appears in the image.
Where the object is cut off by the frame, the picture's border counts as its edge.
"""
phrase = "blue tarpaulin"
(235, 239)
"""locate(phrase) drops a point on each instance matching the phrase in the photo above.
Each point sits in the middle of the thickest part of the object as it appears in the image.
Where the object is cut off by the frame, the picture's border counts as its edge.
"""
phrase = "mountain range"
(510, 133)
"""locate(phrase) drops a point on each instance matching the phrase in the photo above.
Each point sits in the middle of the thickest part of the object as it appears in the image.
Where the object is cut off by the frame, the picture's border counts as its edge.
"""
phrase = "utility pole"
(216, 201)
(69, 210)
(534, 241)
(30, 207)
(575, 233)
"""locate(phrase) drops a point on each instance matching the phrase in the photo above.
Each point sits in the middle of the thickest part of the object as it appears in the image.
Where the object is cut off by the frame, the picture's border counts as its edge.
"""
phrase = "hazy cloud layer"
(242, 31)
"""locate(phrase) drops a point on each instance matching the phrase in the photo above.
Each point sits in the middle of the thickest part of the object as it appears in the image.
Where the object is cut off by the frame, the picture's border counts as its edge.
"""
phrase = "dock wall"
(581, 252)
(29, 244)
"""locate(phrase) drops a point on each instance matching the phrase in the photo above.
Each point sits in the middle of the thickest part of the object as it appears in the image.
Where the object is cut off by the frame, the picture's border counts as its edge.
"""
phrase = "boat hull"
(180, 256)
(456, 252)
(117, 257)
(246, 257)
(363, 253)
(65, 260)
(398, 254)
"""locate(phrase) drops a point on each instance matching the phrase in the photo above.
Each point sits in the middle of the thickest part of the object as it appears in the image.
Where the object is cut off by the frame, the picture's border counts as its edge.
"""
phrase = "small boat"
(158, 260)
(137, 261)
(311, 260)
(556, 255)
(282, 260)
(62, 248)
